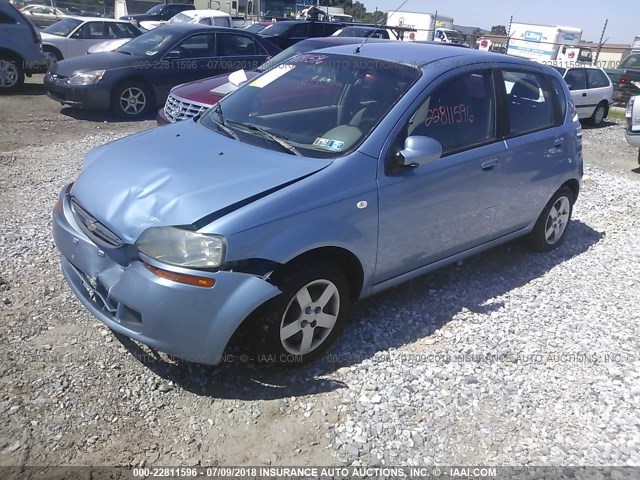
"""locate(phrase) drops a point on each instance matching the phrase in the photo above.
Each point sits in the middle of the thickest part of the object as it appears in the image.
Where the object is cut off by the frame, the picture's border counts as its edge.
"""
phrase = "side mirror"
(419, 150)
(570, 86)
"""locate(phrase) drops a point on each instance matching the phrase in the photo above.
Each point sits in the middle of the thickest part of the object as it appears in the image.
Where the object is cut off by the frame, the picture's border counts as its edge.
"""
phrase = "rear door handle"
(584, 94)
(558, 142)
(489, 164)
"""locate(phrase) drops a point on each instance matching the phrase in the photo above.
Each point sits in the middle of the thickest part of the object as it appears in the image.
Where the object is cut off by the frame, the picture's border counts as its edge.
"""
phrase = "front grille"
(95, 230)
(177, 108)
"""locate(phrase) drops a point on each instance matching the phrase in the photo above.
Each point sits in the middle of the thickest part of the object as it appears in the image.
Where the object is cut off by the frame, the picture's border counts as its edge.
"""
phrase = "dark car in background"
(162, 12)
(362, 32)
(629, 82)
(190, 99)
(137, 77)
(20, 49)
(286, 33)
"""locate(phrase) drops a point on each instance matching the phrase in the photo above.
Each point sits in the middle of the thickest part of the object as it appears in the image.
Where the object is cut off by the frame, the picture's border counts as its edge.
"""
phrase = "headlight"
(183, 248)
(86, 78)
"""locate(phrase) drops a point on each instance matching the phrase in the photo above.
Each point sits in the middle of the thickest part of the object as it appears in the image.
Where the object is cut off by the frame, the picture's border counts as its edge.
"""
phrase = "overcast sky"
(623, 15)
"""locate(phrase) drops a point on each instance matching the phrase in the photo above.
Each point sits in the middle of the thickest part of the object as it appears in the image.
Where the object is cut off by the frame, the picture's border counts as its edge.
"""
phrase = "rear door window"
(231, 45)
(596, 78)
(529, 102)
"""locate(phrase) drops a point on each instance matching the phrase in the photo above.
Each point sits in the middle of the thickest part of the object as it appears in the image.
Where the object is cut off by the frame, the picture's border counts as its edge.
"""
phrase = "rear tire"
(131, 100)
(300, 324)
(551, 227)
(11, 73)
(599, 114)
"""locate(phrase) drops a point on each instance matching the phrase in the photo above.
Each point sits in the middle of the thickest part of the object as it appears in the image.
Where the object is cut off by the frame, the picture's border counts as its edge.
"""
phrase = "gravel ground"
(512, 358)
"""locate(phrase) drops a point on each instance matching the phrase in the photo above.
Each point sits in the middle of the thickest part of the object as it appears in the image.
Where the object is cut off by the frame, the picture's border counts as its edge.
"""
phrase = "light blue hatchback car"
(277, 209)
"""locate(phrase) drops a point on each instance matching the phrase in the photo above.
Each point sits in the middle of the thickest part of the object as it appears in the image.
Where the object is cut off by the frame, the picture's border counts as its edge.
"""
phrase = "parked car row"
(137, 77)
(276, 210)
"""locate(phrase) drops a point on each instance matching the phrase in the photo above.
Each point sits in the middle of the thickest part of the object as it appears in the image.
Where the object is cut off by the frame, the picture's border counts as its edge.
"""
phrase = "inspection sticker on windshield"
(333, 145)
(272, 75)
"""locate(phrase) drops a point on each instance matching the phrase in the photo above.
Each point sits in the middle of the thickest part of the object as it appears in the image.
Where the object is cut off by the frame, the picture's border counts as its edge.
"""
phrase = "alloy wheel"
(310, 317)
(8, 74)
(133, 101)
(557, 220)
(598, 116)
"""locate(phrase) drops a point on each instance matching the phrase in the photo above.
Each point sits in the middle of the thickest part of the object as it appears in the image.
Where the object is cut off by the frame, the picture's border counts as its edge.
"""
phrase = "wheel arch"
(56, 51)
(346, 261)
(11, 53)
(573, 185)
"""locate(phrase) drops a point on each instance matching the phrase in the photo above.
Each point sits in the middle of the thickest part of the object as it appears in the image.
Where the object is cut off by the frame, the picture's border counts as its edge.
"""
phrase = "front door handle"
(584, 94)
(558, 142)
(489, 164)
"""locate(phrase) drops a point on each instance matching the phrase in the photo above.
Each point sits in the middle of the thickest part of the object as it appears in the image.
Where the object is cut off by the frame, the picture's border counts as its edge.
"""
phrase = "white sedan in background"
(73, 36)
(591, 92)
(215, 18)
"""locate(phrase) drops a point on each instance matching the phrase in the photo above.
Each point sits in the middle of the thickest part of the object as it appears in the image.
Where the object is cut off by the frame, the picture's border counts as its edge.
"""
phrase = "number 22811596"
(449, 115)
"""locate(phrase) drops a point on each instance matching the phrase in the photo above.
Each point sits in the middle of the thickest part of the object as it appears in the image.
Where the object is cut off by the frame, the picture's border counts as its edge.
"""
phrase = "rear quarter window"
(6, 19)
(560, 99)
(596, 78)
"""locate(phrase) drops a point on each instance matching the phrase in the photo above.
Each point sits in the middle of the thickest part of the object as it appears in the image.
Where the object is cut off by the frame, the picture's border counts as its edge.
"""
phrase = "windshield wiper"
(221, 125)
(275, 138)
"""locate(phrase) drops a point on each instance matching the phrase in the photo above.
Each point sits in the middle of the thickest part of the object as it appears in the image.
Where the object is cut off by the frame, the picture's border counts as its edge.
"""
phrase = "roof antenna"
(357, 50)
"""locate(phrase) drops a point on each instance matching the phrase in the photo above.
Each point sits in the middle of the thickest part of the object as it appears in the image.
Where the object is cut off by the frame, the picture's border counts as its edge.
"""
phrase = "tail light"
(624, 80)
(629, 112)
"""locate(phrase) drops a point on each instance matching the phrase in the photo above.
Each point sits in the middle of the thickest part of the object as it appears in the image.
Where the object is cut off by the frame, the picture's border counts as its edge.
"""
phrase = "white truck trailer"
(556, 45)
(427, 26)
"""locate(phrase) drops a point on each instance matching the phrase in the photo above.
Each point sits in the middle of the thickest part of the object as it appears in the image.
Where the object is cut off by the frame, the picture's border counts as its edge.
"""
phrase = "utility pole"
(509, 32)
(595, 62)
(435, 22)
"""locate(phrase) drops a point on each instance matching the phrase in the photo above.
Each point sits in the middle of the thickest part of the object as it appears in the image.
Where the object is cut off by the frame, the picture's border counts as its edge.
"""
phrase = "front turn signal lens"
(192, 280)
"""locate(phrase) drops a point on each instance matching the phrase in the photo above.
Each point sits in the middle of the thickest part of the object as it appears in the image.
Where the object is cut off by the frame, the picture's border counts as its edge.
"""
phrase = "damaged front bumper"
(190, 322)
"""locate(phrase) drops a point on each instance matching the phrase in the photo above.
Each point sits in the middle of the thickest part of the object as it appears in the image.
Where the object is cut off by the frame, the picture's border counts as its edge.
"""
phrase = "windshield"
(274, 30)
(255, 28)
(455, 37)
(292, 51)
(157, 10)
(321, 105)
(180, 18)
(63, 28)
(148, 44)
(354, 32)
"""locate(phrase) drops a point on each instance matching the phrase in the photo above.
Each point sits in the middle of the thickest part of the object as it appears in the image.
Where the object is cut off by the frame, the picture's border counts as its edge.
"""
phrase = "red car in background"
(190, 99)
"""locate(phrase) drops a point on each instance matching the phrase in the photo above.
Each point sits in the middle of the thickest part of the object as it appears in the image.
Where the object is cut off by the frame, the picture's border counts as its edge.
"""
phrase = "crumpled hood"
(178, 174)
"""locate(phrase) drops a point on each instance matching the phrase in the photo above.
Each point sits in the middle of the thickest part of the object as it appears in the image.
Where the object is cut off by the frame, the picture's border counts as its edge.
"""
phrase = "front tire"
(11, 74)
(131, 100)
(53, 54)
(301, 323)
(551, 227)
